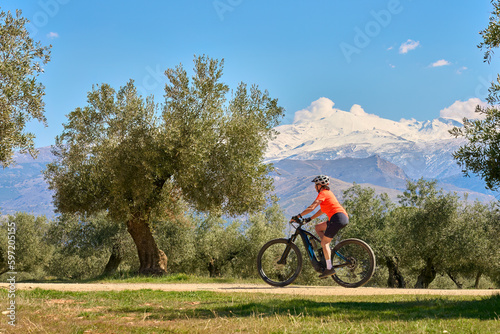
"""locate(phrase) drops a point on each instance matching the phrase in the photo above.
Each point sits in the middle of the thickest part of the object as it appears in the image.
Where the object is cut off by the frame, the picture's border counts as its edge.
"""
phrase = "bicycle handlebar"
(301, 220)
(297, 220)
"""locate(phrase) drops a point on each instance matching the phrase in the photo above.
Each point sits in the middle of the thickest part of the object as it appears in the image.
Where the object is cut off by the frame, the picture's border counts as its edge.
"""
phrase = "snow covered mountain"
(349, 146)
(322, 132)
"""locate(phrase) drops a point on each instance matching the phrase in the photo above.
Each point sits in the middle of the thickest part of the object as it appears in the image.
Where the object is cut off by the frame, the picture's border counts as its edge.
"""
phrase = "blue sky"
(395, 58)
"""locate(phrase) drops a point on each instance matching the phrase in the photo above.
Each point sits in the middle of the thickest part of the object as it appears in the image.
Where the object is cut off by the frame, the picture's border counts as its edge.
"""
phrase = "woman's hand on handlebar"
(299, 219)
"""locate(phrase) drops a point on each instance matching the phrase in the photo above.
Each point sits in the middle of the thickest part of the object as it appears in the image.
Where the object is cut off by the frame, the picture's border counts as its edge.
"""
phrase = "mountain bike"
(279, 261)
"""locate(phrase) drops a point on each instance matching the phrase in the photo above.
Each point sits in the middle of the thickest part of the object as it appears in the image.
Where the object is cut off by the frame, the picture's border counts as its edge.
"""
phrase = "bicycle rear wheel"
(354, 263)
(276, 269)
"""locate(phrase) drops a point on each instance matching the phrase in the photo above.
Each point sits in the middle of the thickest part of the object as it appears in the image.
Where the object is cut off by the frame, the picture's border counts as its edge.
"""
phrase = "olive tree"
(477, 250)
(258, 229)
(86, 246)
(177, 239)
(123, 154)
(21, 95)
(427, 229)
(218, 244)
(27, 240)
(370, 220)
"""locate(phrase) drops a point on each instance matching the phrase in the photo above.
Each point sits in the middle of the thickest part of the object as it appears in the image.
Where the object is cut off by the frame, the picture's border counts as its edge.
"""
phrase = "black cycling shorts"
(337, 222)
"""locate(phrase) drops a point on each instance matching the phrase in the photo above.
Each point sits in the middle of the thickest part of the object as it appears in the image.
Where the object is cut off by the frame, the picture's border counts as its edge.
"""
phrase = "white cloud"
(460, 109)
(52, 35)
(408, 46)
(323, 110)
(440, 63)
(357, 110)
(322, 107)
(462, 69)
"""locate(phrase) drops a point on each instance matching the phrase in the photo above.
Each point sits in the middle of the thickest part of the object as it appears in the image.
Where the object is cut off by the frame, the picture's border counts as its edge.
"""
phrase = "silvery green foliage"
(123, 154)
(21, 60)
(118, 154)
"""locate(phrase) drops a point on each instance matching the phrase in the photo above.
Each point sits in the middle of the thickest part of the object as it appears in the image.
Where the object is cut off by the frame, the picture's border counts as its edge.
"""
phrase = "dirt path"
(251, 288)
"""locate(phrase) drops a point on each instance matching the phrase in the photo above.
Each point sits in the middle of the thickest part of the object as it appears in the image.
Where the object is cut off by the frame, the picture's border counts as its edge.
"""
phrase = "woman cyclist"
(337, 218)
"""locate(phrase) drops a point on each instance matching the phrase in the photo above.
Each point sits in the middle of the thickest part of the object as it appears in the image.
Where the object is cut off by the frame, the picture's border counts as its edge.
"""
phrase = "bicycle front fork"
(282, 260)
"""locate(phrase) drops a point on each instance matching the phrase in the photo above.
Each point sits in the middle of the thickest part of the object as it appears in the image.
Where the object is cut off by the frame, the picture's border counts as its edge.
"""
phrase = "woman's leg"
(325, 244)
(336, 223)
(320, 229)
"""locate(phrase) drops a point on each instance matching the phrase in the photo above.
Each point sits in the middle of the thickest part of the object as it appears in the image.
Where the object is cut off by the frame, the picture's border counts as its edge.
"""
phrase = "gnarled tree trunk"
(396, 279)
(478, 277)
(115, 259)
(426, 276)
(153, 261)
(454, 278)
(214, 268)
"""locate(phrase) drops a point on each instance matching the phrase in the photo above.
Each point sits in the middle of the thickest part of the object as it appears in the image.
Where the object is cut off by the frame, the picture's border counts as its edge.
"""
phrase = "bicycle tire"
(279, 274)
(363, 263)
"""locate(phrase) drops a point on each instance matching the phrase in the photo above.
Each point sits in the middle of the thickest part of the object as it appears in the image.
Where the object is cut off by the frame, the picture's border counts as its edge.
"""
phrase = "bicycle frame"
(305, 235)
(277, 267)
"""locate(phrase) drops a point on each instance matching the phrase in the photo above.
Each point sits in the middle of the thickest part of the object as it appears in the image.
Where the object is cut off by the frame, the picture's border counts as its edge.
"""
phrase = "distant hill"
(293, 180)
(22, 187)
(373, 170)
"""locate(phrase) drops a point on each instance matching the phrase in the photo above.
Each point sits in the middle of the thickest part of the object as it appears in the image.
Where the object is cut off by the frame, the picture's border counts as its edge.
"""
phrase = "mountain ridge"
(292, 179)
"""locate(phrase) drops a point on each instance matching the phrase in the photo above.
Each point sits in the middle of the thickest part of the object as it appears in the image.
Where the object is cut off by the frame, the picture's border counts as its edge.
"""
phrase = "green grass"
(148, 311)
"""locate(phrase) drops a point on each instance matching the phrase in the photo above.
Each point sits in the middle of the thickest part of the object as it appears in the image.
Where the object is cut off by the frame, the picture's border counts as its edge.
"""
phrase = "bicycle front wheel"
(354, 263)
(279, 262)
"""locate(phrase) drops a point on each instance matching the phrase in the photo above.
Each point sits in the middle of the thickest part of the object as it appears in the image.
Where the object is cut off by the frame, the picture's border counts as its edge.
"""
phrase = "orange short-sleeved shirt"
(329, 203)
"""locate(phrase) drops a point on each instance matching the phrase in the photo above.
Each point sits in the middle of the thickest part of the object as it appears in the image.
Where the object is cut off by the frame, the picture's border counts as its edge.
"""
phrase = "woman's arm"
(317, 214)
(311, 208)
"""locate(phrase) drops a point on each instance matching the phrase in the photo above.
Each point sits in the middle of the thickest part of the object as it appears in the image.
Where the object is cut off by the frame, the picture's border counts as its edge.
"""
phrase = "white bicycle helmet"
(322, 180)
